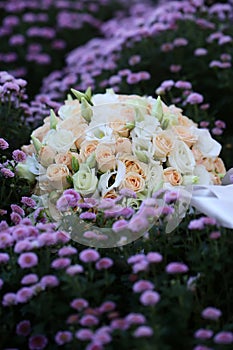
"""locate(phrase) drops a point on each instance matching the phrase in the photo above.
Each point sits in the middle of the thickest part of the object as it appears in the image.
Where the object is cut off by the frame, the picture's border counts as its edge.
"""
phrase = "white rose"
(155, 178)
(146, 128)
(85, 181)
(204, 177)
(59, 140)
(181, 158)
(70, 109)
(206, 144)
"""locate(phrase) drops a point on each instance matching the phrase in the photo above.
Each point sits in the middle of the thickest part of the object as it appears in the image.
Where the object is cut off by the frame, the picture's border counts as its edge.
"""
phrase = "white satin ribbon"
(216, 202)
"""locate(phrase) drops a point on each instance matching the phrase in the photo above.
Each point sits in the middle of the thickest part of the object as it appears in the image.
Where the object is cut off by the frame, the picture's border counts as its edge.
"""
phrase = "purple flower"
(84, 334)
(89, 255)
(119, 225)
(203, 334)
(140, 266)
(143, 331)
(37, 342)
(17, 209)
(223, 337)
(194, 98)
(217, 131)
(27, 260)
(6, 240)
(60, 263)
(134, 318)
(180, 84)
(196, 224)
(7, 173)
(79, 304)
(28, 202)
(23, 328)
(3, 144)
(104, 263)
(64, 251)
(180, 42)
(201, 51)
(63, 337)
(49, 281)
(154, 257)
(74, 269)
(136, 258)
(24, 294)
(176, 267)
(89, 321)
(215, 235)
(211, 313)
(138, 223)
(19, 156)
(142, 286)
(202, 347)
(4, 258)
(1, 283)
(29, 279)
(149, 298)
(107, 306)
(126, 192)
(9, 299)
(87, 216)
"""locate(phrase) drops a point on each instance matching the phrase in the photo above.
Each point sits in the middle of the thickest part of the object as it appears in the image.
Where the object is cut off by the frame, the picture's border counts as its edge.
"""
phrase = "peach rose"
(105, 157)
(133, 181)
(172, 176)
(219, 166)
(163, 143)
(119, 127)
(57, 176)
(208, 163)
(111, 194)
(185, 134)
(42, 131)
(185, 121)
(46, 156)
(132, 164)
(64, 158)
(28, 149)
(198, 156)
(215, 179)
(86, 148)
(123, 145)
(77, 126)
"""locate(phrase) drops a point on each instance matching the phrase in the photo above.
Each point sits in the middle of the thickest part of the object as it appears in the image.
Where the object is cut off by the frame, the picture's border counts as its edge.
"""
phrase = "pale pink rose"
(64, 158)
(163, 143)
(28, 149)
(57, 176)
(40, 132)
(133, 181)
(185, 134)
(172, 176)
(46, 156)
(105, 157)
(123, 145)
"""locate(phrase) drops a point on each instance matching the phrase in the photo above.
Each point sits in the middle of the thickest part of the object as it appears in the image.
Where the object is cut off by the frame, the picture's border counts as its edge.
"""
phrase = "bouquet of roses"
(105, 157)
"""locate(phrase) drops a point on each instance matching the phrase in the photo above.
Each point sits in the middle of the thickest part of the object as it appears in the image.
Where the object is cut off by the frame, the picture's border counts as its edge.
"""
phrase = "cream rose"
(46, 156)
(185, 134)
(57, 176)
(181, 158)
(85, 181)
(105, 157)
(155, 178)
(123, 145)
(87, 148)
(172, 176)
(163, 144)
(77, 126)
(28, 149)
(133, 181)
(64, 158)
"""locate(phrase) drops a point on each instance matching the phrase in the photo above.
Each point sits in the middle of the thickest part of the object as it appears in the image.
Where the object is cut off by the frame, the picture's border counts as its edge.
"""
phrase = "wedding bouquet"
(105, 157)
